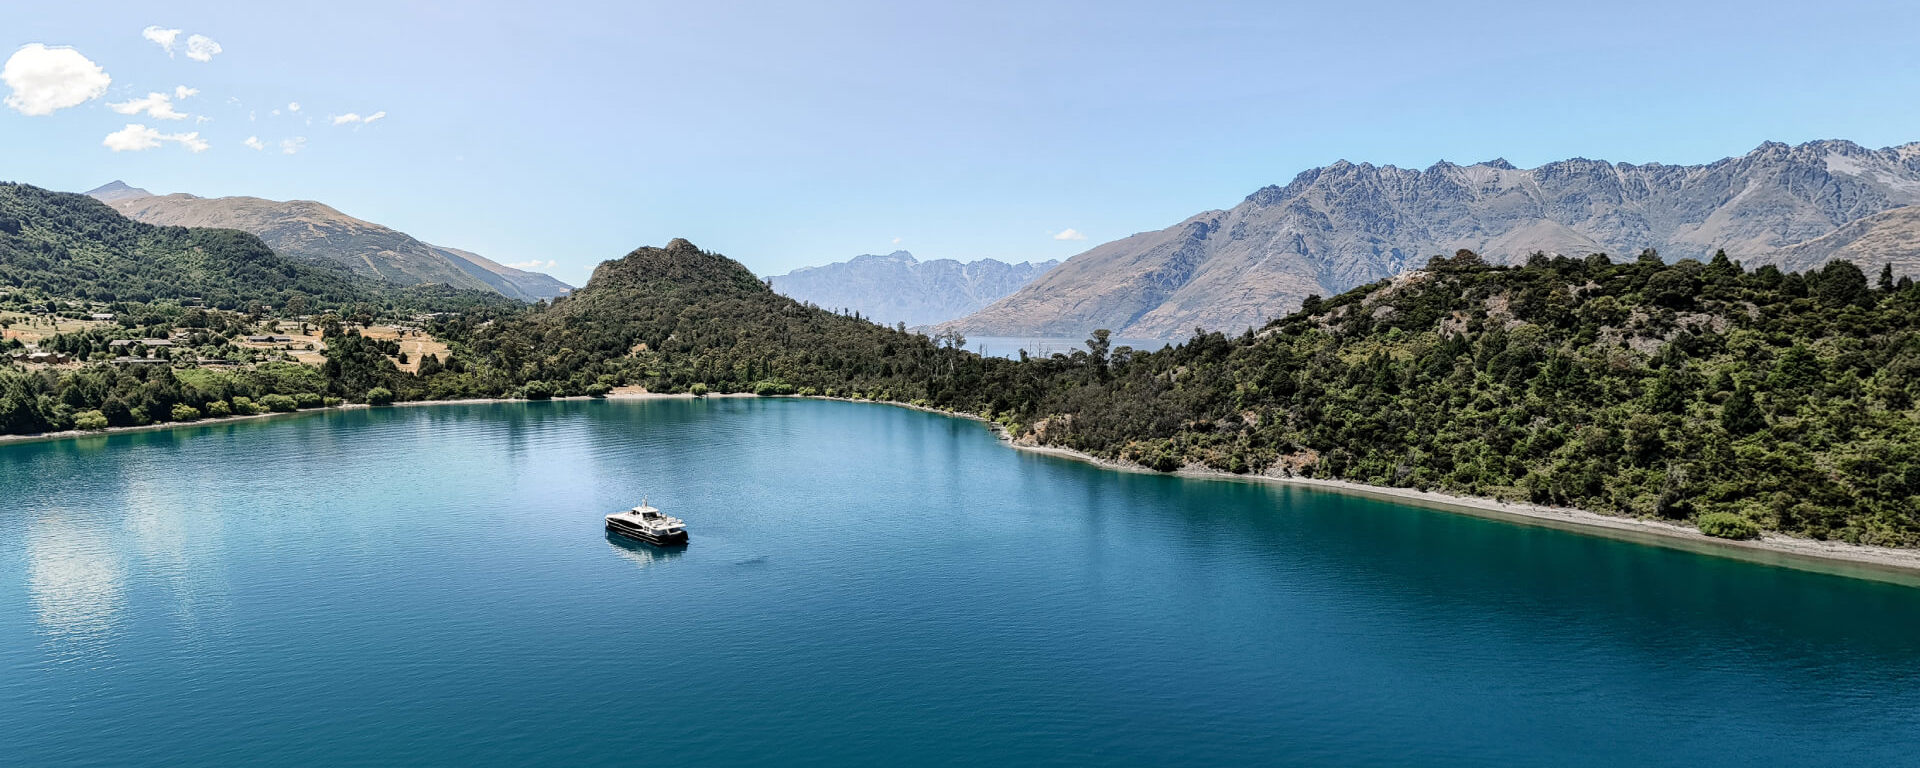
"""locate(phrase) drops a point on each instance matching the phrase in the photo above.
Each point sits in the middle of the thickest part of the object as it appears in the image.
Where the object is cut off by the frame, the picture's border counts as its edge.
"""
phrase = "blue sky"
(787, 134)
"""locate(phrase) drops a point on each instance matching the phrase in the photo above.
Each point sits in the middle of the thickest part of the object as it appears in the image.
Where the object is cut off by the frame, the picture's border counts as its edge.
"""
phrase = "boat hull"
(674, 539)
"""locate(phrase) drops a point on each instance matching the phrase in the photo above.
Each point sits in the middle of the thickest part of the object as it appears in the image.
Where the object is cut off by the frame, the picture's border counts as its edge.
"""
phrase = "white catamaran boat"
(645, 523)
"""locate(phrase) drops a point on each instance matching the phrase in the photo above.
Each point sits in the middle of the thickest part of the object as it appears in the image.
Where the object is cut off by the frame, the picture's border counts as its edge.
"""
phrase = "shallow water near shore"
(866, 585)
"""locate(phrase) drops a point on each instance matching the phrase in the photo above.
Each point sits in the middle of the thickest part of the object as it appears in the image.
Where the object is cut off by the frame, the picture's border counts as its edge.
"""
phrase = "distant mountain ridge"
(1345, 225)
(116, 190)
(897, 287)
(312, 232)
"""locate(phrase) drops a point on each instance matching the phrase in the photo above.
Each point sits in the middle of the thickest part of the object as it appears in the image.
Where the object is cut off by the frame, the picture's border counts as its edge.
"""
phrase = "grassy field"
(414, 344)
(30, 329)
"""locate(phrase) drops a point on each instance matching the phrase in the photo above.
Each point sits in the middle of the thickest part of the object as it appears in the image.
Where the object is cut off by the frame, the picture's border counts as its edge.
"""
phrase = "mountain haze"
(897, 287)
(1346, 225)
(116, 190)
(312, 232)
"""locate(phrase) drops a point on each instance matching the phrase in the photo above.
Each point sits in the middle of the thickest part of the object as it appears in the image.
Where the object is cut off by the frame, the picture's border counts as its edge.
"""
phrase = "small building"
(270, 339)
(123, 360)
(105, 317)
(46, 358)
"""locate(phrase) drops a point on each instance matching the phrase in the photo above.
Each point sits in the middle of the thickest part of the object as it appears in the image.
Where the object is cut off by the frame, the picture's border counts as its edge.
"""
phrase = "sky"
(556, 135)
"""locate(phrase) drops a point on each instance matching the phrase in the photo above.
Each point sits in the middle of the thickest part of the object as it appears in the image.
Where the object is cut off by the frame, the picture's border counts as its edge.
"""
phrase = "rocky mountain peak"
(897, 257)
(1347, 224)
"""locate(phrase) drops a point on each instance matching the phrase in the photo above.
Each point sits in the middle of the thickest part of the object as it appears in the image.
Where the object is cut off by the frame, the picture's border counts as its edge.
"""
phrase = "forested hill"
(69, 246)
(1740, 400)
(675, 317)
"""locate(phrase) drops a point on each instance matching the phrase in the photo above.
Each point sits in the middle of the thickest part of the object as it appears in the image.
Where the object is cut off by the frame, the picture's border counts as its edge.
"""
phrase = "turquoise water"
(866, 586)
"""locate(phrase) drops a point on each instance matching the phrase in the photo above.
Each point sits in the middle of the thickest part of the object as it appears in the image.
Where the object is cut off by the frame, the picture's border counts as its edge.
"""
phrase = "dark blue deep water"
(867, 586)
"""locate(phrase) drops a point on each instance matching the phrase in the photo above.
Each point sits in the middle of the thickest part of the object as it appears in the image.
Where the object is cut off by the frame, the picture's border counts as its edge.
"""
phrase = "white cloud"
(354, 117)
(201, 48)
(293, 145)
(156, 105)
(181, 91)
(1069, 234)
(533, 264)
(162, 37)
(896, 241)
(46, 79)
(293, 106)
(136, 137)
(254, 142)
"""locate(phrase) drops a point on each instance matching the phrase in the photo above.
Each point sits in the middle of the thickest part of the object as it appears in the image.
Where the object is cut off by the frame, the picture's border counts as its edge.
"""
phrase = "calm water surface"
(866, 585)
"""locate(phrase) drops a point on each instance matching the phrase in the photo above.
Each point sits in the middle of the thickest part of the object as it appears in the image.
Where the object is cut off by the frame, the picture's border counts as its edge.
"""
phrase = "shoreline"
(1886, 564)
(1861, 561)
(211, 420)
(77, 433)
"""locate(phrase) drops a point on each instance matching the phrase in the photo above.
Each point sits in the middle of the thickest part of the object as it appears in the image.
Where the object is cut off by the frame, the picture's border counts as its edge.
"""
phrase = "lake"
(866, 585)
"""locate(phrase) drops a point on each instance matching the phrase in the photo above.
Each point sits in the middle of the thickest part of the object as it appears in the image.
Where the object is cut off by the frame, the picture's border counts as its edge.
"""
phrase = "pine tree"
(1742, 415)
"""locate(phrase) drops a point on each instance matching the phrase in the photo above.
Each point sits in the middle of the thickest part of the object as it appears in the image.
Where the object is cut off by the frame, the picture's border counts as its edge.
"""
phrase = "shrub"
(330, 402)
(379, 396)
(538, 390)
(89, 420)
(184, 412)
(245, 406)
(308, 399)
(279, 403)
(219, 409)
(699, 390)
(1727, 525)
(599, 389)
(766, 388)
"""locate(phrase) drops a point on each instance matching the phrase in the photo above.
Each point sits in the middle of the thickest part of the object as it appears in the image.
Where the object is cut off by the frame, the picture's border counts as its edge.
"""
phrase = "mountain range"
(1345, 225)
(897, 287)
(311, 232)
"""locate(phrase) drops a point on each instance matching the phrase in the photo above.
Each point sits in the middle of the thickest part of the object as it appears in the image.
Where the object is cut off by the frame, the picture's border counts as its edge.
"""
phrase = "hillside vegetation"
(1677, 391)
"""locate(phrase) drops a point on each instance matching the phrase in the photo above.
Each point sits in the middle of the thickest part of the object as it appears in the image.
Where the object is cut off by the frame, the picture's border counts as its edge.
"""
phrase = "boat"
(648, 524)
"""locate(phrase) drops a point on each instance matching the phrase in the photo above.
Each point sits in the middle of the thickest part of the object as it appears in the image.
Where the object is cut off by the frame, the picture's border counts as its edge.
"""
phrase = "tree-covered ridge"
(56, 244)
(1685, 391)
(669, 318)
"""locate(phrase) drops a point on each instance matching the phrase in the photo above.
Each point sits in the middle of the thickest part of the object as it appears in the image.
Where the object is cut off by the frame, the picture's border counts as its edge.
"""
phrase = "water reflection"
(644, 555)
(77, 581)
